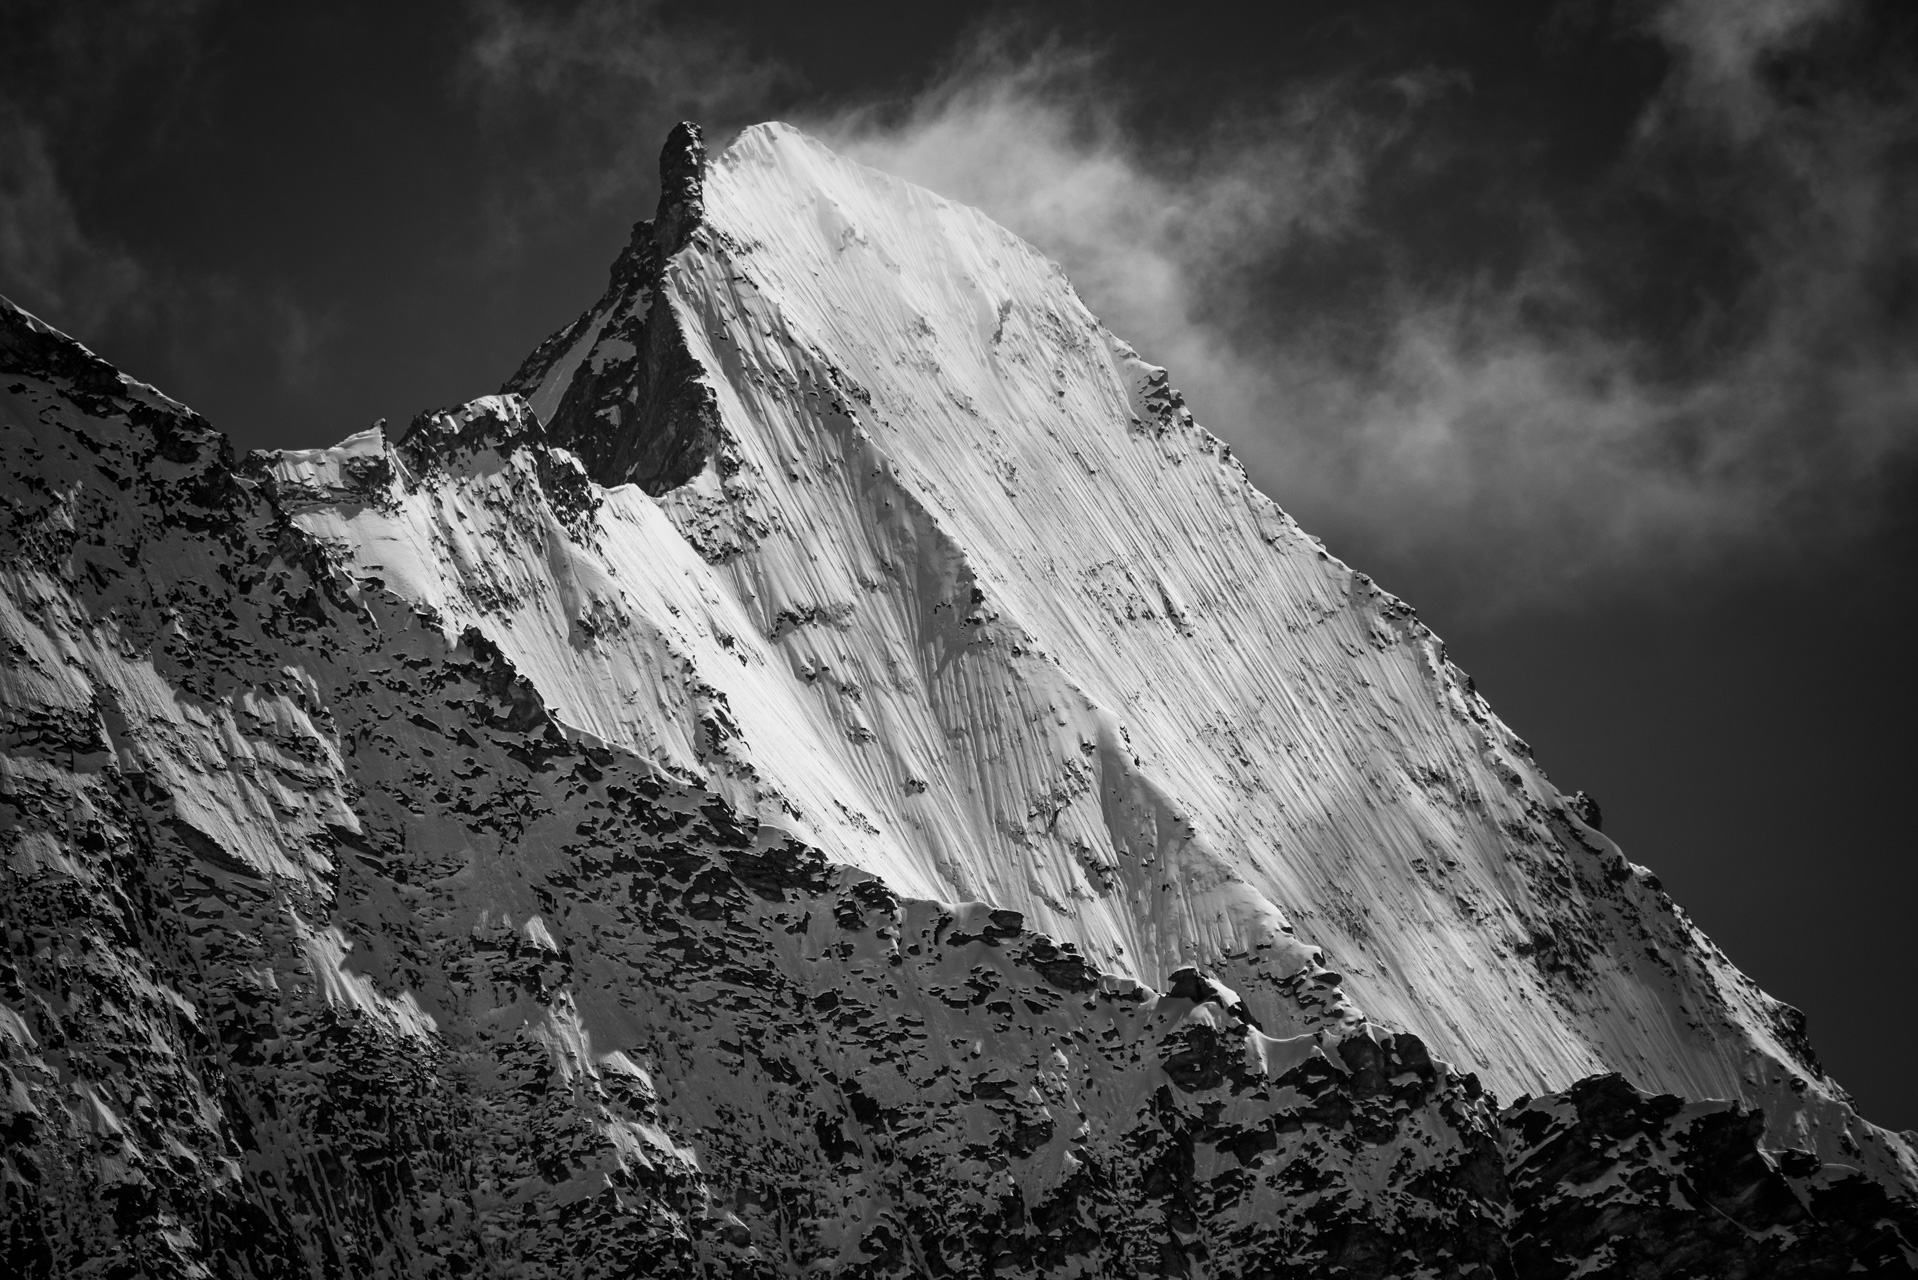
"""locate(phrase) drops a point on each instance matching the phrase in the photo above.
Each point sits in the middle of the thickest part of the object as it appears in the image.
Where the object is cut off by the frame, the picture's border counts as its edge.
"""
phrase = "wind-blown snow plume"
(1463, 368)
(1701, 350)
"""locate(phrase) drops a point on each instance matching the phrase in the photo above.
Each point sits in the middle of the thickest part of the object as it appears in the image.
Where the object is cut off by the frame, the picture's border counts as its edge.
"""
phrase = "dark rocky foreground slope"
(333, 949)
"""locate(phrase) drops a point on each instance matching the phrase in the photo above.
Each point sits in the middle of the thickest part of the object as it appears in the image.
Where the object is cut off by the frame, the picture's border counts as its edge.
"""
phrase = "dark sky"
(1591, 329)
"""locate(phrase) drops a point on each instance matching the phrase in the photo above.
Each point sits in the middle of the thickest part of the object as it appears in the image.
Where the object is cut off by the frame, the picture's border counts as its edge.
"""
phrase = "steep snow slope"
(1038, 641)
(330, 952)
(830, 770)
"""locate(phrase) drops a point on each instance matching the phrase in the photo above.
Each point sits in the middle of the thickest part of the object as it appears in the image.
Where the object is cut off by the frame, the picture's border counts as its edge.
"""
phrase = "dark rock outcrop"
(639, 410)
(1607, 1181)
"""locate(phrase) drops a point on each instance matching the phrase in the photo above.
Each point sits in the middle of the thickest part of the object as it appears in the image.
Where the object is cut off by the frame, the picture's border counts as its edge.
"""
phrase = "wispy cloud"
(1723, 49)
(600, 82)
(614, 54)
(57, 69)
(1512, 434)
(55, 87)
(46, 259)
(1584, 404)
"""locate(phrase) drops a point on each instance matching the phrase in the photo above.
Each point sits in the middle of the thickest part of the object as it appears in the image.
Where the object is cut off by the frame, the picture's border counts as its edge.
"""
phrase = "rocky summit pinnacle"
(682, 182)
(829, 771)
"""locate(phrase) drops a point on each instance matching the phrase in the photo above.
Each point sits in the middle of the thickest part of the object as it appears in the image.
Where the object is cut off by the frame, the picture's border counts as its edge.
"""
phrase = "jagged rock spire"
(618, 386)
(682, 187)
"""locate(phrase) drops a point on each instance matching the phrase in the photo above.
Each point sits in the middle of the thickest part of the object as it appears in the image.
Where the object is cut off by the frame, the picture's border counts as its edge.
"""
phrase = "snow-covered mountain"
(830, 770)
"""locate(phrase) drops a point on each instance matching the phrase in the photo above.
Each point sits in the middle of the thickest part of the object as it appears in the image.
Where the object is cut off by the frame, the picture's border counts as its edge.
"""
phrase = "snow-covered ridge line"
(1080, 643)
(833, 770)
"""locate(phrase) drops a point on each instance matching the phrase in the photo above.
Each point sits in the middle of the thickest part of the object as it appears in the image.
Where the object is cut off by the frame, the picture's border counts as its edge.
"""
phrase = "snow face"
(832, 770)
(1005, 624)
(332, 952)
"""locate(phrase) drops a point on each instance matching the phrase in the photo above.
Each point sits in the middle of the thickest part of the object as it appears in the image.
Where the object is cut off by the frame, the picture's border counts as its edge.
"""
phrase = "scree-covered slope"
(829, 771)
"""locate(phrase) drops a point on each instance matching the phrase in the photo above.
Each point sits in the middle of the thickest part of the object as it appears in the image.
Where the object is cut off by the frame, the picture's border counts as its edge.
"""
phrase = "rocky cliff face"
(830, 771)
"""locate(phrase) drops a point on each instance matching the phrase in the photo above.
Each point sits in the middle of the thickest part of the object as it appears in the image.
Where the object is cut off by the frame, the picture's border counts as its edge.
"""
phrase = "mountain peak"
(1067, 635)
(832, 771)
